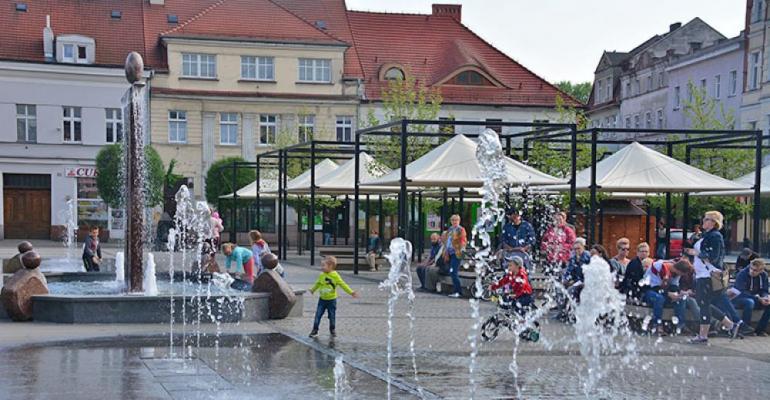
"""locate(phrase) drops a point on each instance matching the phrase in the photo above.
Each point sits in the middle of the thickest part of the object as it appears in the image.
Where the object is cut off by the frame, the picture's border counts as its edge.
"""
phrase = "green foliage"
(219, 178)
(581, 91)
(403, 99)
(704, 112)
(109, 182)
(170, 178)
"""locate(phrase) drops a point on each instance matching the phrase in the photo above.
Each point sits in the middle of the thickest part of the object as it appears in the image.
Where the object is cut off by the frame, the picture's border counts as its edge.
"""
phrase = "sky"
(563, 39)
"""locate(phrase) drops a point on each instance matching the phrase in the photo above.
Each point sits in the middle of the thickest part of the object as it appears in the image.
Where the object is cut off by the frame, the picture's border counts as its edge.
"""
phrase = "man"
(751, 283)
(518, 235)
(634, 273)
(373, 250)
(455, 238)
(557, 242)
(422, 269)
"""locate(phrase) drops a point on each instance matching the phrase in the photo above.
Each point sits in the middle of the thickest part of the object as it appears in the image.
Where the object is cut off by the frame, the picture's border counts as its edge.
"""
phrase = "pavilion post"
(686, 202)
(233, 185)
(279, 228)
(259, 204)
(647, 225)
(356, 194)
(412, 222)
(573, 175)
(285, 246)
(346, 218)
(403, 218)
(444, 204)
(420, 227)
(380, 221)
(462, 208)
(592, 201)
(367, 214)
(311, 218)
(757, 192)
(669, 152)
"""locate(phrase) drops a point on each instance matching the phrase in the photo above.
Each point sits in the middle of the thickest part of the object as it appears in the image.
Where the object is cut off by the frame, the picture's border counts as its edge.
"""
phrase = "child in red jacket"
(515, 285)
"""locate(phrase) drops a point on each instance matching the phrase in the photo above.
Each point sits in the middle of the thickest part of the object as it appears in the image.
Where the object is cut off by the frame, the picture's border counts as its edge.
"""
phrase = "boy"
(751, 283)
(326, 284)
(516, 285)
(92, 250)
(244, 265)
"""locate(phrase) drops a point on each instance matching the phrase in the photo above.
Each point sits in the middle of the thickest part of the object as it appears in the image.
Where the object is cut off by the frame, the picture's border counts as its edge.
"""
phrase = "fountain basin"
(93, 309)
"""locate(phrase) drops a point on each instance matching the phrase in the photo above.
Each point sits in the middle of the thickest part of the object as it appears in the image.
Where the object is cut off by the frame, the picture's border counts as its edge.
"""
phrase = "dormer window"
(470, 78)
(393, 74)
(75, 49)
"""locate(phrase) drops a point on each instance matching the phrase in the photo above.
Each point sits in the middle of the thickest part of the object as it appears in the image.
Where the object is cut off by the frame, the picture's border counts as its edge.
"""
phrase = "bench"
(642, 312)
(345, 258)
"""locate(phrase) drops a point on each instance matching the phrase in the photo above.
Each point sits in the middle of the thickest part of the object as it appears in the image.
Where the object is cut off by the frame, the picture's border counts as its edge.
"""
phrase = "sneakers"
(455, 295)
(699, 340)
(746, 329)
(736, 329)
(313, 333)
(762, 334)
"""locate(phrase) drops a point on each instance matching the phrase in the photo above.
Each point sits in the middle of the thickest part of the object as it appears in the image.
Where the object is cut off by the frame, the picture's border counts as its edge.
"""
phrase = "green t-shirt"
(327, 284)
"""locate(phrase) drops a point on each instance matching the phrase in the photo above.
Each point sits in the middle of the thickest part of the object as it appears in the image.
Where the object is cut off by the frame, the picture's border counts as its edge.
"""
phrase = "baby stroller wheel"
(534, 335)
(489, 329)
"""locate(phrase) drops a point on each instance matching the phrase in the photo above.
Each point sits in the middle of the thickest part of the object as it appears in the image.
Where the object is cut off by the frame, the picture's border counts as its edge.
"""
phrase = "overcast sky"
(563, 39)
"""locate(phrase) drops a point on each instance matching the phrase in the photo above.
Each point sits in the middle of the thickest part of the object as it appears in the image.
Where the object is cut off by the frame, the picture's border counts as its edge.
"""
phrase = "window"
(305, 128)
(196, 65)
(470, 78)
(733, 83)
(267, 129)
(344, 128)
(26, 123)
(114, 122)
(447, 128)
(648, 120)
(68, 53)
(703, 84)
(660, 119)
(228, 128)
(177, 126)
(689, 93)
(608, 87)
(495, 127)
(717, 86)
(314, 70)
(628, 89)
(637, 86)
(258, 68)
(637, 123)
(393, 74)
(71, 124)
(91, 209)
(677, 97)
(660, 80)
(82, 54)
(754, 60)
(757, 11)
(628, 122)
(649, 83)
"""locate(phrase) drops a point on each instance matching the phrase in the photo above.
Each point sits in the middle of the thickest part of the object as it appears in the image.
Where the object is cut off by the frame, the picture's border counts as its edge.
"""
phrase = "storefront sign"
(80, 172)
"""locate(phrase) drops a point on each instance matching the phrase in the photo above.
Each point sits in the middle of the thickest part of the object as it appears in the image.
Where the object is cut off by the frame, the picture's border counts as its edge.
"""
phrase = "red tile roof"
(431, 47)
(21, 33)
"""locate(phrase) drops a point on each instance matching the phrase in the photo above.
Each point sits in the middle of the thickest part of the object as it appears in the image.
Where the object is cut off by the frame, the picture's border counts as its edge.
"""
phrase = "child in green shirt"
(326, 284)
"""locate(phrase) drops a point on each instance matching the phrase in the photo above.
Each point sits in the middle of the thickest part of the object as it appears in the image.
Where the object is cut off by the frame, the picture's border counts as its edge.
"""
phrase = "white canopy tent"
(340, 181)
(267, 184)
(454, 164)
(747, 181)
(640, 169)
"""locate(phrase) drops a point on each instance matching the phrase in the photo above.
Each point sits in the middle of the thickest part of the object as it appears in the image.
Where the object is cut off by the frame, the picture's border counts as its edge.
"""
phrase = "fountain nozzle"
(134, 68)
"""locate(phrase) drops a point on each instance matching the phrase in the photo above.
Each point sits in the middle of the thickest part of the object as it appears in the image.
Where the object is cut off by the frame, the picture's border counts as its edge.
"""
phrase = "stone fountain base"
(94, 309)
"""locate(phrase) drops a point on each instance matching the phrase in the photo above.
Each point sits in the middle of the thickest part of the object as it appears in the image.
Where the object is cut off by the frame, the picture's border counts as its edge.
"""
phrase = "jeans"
(656, 300)
(749, 303)
(680, 308)
(329, 306)
(523, 304)
(454, 272)
(707, 297)
(89, 264)
(422, 272)
(327, 239)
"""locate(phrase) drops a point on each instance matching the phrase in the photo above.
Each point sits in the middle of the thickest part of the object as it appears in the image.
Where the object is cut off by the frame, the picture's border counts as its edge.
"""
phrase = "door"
(27, 213)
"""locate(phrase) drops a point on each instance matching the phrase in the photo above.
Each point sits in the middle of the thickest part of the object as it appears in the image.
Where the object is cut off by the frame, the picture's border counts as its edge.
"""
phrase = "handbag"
(719, 282)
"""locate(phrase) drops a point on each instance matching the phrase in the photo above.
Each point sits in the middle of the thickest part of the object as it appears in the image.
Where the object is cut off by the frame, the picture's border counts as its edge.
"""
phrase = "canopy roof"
(746, 181)
(303, 180)
(640, 169)
(454, 164)
(267, 184)
(340, 180)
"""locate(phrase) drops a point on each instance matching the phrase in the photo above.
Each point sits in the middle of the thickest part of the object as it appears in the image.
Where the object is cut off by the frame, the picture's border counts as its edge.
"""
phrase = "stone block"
(282, 297)
(13, 264)
(17, 293)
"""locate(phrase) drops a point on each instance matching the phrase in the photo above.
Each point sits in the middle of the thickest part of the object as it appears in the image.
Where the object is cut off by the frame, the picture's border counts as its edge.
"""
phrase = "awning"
(340, 181)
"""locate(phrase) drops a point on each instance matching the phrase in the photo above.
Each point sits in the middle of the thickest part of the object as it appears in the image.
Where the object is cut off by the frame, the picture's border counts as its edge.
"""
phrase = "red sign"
(80, 172)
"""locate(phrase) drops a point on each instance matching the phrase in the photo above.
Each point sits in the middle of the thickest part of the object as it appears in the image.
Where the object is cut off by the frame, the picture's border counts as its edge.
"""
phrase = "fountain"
(135, 295)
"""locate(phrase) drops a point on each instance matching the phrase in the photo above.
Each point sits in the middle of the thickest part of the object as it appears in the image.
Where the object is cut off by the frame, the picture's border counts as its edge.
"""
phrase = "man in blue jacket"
(518, 235)
(752, 284)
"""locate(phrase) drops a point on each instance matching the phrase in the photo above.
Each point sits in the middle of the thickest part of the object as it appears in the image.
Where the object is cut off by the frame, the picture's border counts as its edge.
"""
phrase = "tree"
(580, 91)
(109, 180)
(404, 99)
(219, 178)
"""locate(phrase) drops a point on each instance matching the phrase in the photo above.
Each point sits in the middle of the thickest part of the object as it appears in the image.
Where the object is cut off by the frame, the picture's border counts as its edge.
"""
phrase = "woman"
(599, 250)
(258, 248)
(373, 250)
(557, 243)
(455, 239)
(709, 254)
(621, 260)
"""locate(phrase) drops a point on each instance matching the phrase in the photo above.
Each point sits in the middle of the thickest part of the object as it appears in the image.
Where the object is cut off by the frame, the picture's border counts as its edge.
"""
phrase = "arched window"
(394, 73)
(471, 78)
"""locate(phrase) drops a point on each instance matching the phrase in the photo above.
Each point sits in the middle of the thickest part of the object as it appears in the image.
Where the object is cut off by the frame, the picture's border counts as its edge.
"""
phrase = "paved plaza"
(40, 360)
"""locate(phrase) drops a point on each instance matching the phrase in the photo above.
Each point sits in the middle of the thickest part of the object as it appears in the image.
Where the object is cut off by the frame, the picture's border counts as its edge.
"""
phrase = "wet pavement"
(263, 366)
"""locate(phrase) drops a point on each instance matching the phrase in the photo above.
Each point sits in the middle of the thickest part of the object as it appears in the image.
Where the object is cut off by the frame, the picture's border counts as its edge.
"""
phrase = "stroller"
(509, 316)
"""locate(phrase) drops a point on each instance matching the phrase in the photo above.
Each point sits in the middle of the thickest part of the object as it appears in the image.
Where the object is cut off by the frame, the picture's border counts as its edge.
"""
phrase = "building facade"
(755, 108)
(631, 89)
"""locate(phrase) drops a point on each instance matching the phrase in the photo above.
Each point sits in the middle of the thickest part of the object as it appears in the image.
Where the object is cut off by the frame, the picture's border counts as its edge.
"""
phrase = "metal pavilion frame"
(702, 139)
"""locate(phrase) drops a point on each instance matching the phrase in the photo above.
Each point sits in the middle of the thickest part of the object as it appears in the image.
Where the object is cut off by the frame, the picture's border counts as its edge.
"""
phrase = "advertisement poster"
(318, 223)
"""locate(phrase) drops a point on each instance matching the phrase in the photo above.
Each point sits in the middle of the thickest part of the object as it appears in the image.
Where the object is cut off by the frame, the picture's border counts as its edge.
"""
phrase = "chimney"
(674, 26)
(451, 10)
(157, 2)
(48, 40)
